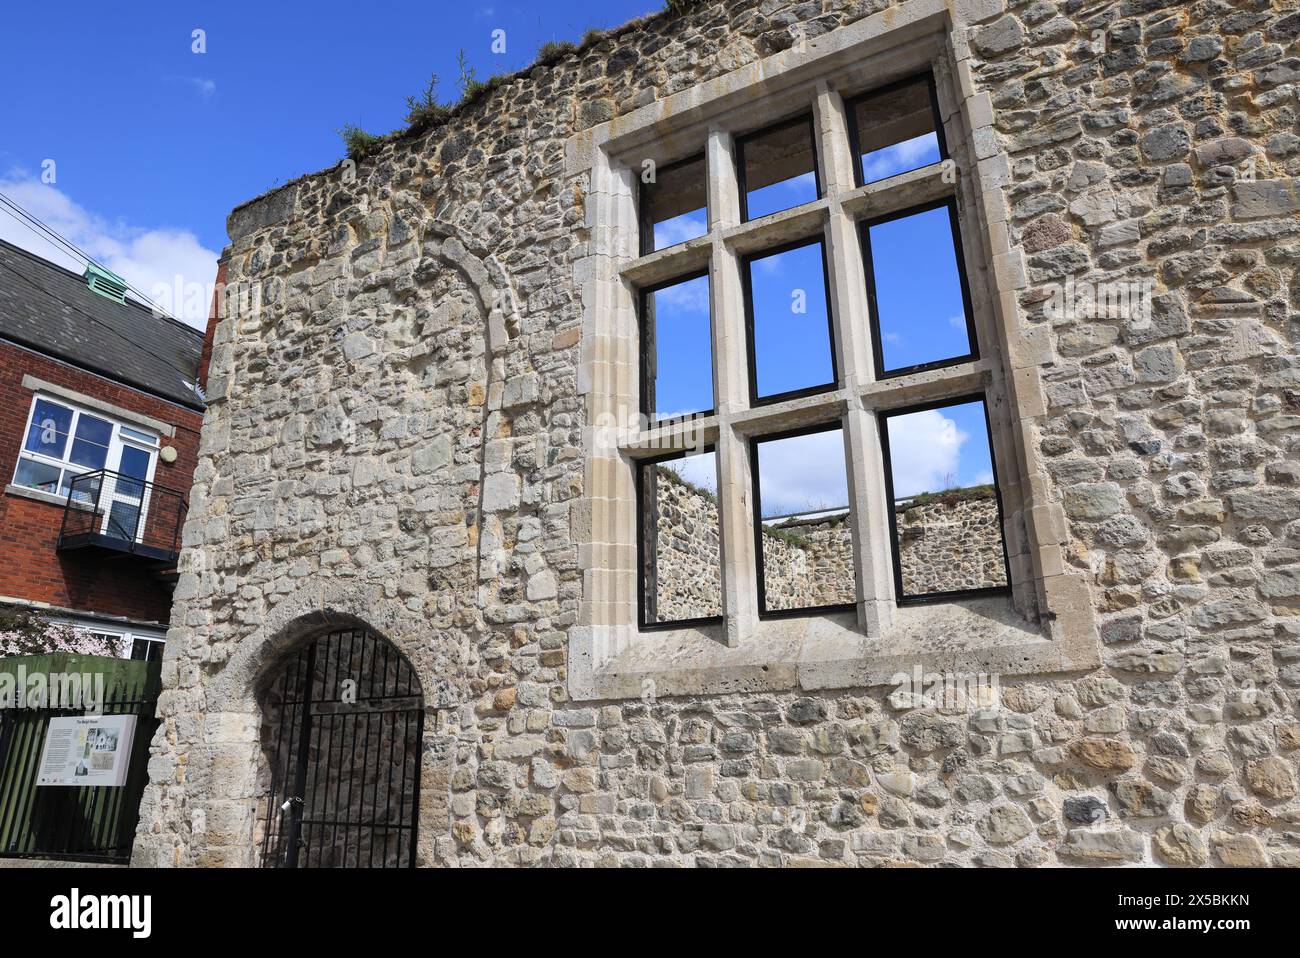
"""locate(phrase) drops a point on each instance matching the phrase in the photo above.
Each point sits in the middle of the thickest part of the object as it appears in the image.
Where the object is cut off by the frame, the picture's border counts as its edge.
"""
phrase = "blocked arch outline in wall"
(484, 274)
(219, 826)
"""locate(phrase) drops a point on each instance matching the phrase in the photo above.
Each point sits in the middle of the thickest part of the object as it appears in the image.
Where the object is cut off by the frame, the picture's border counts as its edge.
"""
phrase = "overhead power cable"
(48, 233)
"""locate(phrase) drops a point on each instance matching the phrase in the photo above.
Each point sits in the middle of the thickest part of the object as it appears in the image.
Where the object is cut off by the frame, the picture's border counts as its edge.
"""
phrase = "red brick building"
(99, 431)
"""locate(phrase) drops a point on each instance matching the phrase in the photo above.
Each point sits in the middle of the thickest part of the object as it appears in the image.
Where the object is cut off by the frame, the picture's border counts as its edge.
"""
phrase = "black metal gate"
(342, 728)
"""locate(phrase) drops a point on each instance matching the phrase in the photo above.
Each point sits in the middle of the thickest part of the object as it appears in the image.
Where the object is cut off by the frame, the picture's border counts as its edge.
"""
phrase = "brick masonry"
(33, 569)
(385, 445)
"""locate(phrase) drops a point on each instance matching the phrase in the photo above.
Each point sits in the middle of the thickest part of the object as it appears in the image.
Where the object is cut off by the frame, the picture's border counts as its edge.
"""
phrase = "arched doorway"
(341, 732)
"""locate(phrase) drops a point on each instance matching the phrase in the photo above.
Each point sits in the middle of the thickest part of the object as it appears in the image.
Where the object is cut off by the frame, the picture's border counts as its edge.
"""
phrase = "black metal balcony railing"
(114, 512)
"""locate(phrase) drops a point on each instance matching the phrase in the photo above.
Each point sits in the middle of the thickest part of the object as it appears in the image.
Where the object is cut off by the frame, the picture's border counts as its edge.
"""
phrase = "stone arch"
(342, 682)
(222, 797)
(491, 282)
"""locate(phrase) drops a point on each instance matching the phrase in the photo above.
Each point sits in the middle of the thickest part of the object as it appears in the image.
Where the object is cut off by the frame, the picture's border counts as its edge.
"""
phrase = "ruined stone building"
(541, 519)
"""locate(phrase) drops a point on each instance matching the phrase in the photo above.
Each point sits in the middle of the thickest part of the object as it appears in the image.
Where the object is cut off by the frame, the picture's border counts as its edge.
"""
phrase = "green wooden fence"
(89, 823)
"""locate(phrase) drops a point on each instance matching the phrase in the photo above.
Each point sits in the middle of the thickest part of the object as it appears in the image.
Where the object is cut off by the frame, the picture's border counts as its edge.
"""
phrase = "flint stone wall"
(386, 442)
(950, 545)
(685, 569)
(810, 565)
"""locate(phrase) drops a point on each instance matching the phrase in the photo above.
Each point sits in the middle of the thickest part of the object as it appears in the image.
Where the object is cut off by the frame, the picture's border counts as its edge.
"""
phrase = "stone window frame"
(756, 520)
(884, 415)
(1050, 626)
(738, 150)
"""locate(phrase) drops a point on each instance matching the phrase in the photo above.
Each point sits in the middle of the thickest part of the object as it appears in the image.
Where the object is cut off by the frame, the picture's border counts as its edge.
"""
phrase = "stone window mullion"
(849, 310)
(610, 576)
(731, 385)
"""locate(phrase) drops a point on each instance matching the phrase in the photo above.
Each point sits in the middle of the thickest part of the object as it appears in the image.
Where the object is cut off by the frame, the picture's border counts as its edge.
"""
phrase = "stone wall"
(807, 564)
(386, 443)
(685, 568)
(947, 544)
(950, 544)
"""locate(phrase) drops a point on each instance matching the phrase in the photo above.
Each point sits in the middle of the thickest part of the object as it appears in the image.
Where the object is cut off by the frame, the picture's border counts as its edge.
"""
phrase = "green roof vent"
(106, 284)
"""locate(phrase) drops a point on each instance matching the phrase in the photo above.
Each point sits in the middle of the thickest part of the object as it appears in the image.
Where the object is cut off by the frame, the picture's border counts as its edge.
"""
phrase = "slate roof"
(51, 310)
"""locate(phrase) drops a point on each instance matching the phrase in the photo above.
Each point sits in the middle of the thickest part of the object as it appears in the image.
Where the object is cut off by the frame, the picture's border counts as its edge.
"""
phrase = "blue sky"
(154, 144)
(123, 138)
(922, 320)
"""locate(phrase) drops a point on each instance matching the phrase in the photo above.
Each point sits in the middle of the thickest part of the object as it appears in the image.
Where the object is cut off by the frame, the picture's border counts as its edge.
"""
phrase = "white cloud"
(691, 296)
(202, 85)
(205, 86)
(771, 265)
(679, 229)
(169, 265)
(925, 452)
(803, 473)
(699, 470)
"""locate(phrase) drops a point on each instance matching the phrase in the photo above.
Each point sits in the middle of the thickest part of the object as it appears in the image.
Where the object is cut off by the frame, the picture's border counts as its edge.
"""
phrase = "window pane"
(674, 207)
(146, 650)
(807, 537)
(682, 573)
(895, 131)
(791, 329)
(779, 168)
(37, 475)
(123, 518)
(48, 433)
(948, 530)
(90, 445)
(88, 454)
(82, 488)
(126, 432)
(93, 429)
(135, 462)
(918, 301)
(678, 349)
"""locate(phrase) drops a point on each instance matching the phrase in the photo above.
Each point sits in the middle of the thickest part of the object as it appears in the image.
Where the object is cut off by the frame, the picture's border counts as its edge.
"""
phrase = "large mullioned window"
(861, 286)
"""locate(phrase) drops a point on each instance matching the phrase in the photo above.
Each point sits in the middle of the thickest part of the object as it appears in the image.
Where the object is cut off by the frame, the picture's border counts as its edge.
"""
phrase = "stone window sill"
(972, 636)
(46, 497)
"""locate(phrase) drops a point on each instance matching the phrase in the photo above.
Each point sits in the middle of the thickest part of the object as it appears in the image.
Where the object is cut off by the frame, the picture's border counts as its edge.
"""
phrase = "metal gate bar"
(329, 804)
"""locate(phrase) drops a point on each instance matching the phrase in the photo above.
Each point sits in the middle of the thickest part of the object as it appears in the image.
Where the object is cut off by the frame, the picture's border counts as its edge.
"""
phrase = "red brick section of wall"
(31, 568)
(205, 357)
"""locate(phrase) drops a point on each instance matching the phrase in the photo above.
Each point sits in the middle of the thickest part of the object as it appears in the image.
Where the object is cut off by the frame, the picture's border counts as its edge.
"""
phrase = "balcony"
(116, 514)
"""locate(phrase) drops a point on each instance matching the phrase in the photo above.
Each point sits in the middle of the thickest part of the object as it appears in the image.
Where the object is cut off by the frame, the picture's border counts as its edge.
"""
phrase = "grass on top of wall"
(946, 497)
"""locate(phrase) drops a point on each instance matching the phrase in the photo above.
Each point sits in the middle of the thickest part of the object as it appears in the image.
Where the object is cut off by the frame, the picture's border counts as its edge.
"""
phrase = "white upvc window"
(129, 642)
(63, 441)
